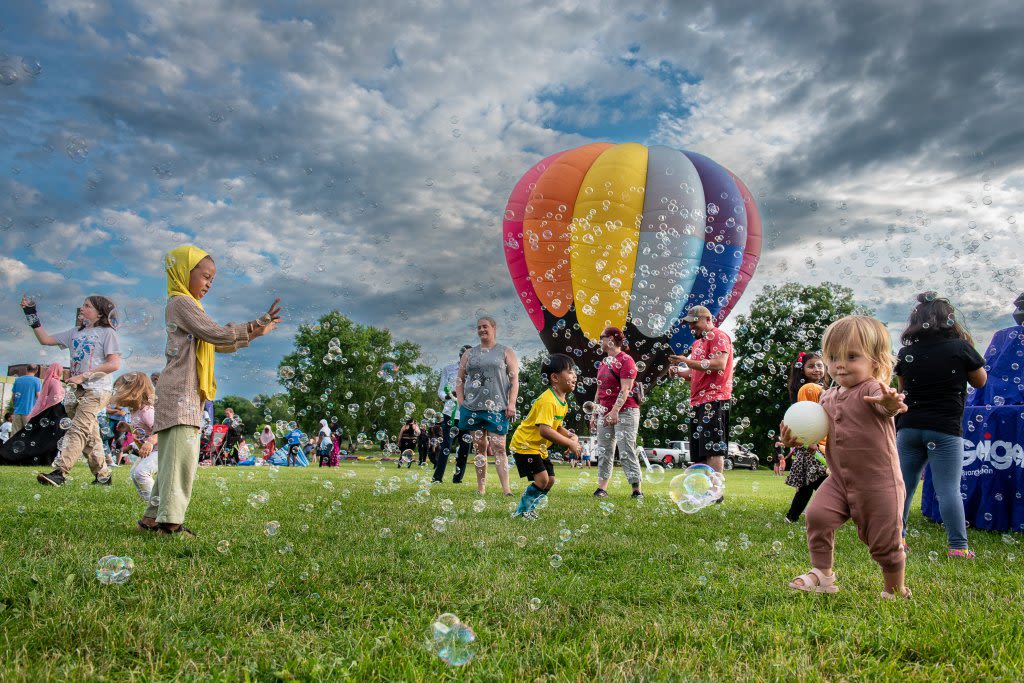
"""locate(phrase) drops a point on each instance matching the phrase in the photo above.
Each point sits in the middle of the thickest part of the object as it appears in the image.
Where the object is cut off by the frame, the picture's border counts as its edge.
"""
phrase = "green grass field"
(349, 586)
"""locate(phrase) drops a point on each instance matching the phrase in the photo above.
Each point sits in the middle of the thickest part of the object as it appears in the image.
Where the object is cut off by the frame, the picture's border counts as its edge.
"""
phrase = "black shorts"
(709, 431)
(529, 464)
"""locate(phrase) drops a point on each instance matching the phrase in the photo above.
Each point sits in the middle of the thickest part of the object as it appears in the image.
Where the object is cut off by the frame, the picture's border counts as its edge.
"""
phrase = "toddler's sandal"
(892, 596)
(961, 553)
(815, 581)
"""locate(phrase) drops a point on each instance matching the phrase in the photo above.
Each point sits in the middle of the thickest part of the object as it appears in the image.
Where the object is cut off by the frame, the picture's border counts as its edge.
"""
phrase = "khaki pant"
(84, 434)
(17, 423)
(176, 470)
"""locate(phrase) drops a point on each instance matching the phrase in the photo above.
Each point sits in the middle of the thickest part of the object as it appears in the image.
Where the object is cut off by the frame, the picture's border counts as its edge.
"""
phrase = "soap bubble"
(655, 474)
(385, 532)
(388, 371)
(534, 604)
(223, 547)
(933, 556)
(440, 524)
(286, 372)
(698, 486)
(113, 569)
(271, 528)
(65, 423)
(521, 541)
(479, 505)
(589, 408)
(258, 499)
(451, 640)
(555, 561)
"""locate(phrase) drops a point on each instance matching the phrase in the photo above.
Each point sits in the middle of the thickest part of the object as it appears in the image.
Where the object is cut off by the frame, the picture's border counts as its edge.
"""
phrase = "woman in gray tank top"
(486, 388)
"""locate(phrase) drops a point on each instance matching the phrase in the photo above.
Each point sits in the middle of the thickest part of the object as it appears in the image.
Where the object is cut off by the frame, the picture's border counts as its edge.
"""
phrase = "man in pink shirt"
(708, 368)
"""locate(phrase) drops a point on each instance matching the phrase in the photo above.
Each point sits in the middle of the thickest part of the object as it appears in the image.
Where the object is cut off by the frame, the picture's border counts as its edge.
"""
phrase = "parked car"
(677, 454)
(738, 456)
(674, 454)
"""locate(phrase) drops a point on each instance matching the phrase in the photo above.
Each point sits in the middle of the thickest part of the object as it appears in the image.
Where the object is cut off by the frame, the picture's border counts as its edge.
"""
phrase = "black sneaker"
(55, 478)
(600, 493)
(104, 481)
(638, 495)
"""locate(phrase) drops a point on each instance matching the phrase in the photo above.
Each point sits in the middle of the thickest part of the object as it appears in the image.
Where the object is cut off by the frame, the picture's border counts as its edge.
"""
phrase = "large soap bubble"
(696, 487)
(451, 640)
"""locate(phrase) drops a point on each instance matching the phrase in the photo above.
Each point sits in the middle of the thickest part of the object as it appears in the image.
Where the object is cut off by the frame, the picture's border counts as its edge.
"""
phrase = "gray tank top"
(487, 383)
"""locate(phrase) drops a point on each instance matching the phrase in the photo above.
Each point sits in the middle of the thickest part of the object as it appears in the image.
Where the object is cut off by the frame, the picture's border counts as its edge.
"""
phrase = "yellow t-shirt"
(548, 410)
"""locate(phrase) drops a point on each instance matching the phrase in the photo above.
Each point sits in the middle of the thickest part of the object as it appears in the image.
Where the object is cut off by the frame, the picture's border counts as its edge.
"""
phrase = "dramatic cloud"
(340, 157)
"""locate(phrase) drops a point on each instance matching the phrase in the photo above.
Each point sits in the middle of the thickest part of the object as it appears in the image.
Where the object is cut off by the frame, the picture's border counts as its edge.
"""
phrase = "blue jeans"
(946, 457)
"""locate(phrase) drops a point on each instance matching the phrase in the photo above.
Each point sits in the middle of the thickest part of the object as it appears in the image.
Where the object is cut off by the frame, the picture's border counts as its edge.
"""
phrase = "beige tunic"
(177, 390)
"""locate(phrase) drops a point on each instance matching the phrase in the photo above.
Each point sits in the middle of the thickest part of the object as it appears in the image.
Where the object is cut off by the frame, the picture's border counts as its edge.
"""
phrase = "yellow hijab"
(179, 263)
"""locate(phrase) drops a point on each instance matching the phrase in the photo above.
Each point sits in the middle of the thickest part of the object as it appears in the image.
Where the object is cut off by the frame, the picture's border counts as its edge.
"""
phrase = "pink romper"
(864, 483)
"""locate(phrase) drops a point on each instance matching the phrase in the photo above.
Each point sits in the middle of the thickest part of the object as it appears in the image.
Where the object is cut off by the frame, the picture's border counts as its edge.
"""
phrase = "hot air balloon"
(630, 236)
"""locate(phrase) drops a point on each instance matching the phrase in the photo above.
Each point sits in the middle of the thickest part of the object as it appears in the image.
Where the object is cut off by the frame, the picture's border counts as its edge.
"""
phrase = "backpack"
(637, 392)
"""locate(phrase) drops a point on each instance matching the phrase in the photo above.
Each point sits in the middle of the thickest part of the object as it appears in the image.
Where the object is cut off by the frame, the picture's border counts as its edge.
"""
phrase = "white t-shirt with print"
(89, 349)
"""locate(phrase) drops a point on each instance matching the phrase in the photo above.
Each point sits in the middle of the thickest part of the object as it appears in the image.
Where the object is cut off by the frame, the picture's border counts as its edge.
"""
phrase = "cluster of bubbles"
(451, 640)
(696, 487)
(258, 499)
(112, 569)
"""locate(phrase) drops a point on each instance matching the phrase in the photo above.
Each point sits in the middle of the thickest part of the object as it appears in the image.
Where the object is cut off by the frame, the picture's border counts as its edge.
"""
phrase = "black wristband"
(31, 317)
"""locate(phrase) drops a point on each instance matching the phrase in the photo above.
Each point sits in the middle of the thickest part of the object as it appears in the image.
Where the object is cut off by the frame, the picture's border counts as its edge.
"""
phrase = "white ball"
(808, 422)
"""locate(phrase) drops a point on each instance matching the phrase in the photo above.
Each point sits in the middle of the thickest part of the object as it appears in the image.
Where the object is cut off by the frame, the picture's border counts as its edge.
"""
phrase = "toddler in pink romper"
(864, 483)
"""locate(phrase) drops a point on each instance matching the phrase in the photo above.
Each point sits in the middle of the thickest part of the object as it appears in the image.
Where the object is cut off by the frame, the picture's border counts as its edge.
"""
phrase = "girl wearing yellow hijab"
(187, 381)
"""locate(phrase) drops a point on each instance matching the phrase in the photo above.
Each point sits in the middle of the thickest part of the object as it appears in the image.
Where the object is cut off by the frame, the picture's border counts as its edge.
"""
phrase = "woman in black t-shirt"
(936, 363)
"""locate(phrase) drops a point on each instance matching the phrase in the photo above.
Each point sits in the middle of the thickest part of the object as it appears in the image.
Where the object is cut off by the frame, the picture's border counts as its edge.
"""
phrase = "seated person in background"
(241, 451)
(5, 429)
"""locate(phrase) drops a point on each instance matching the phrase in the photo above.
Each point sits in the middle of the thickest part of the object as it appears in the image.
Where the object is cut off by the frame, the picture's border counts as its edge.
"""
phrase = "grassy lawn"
(349, 586)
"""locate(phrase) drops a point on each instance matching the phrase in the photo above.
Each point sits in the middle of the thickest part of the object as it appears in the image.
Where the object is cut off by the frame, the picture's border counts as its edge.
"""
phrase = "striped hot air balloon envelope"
(629, 236)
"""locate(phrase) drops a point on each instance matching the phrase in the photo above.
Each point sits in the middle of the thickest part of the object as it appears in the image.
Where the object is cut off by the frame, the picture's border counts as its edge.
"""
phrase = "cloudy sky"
(358, 156)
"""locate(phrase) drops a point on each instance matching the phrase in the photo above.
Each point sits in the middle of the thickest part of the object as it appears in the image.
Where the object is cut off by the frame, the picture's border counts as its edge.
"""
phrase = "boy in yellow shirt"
(543, 427)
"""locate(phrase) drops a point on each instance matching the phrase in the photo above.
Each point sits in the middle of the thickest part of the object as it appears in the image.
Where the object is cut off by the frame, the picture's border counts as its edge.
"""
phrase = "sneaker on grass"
(55, 478)
(104, 481)
(600, 493)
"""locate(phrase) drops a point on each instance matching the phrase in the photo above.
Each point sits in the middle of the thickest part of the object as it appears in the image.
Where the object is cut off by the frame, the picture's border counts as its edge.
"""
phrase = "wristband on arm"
(31, 317)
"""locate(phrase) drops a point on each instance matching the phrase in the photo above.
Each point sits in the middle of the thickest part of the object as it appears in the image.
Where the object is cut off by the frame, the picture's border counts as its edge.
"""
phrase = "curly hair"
(933, 316)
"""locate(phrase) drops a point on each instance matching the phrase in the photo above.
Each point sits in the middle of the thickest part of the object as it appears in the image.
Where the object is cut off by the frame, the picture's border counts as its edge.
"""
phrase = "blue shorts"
(487, 420)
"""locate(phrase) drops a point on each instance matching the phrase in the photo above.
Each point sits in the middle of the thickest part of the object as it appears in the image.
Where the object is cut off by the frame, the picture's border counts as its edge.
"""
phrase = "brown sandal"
(166, 530)
(145, 527)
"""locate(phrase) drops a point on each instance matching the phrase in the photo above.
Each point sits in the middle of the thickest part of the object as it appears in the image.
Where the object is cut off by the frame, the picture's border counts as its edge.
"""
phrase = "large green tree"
(664, 413)
(783, 321)
(356, 376)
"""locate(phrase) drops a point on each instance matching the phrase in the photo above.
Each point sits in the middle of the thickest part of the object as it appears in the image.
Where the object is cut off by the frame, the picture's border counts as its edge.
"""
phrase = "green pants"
(176, 469)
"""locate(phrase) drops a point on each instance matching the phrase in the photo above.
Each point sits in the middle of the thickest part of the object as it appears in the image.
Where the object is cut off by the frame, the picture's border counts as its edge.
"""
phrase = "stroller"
(215, 450)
